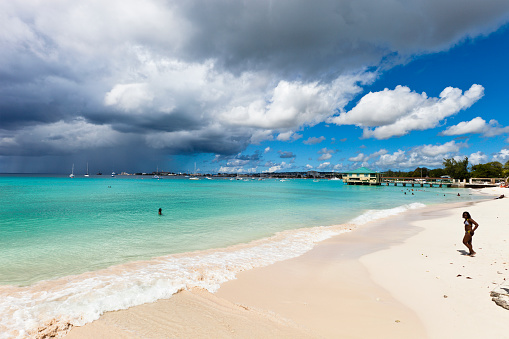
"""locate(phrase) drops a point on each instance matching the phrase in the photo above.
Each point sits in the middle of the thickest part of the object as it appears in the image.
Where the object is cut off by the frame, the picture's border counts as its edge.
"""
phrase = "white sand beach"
(405, 276)
(449, 290)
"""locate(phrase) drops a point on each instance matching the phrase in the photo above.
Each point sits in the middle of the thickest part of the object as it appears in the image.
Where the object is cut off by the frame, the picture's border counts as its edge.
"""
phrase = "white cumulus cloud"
(397, 112)
(361, 157)
(326, 154)
(502, 156)
(288, 136)
(434, 150)
(128, 97)
(275, 168)
(324, 166)
(477, 158)
(358, 158)
(477, 126)
(425, 155)
(294, 104)
(314, 140)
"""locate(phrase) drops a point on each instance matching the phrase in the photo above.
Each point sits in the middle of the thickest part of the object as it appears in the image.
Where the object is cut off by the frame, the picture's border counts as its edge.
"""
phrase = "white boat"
(194, 177)
(334, 177)
(72, 172)
(155, 176)
(113, 174)
(87, 175)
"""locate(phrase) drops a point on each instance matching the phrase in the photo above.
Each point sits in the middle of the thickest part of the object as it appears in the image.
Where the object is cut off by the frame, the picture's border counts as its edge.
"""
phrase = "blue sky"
(252, 86)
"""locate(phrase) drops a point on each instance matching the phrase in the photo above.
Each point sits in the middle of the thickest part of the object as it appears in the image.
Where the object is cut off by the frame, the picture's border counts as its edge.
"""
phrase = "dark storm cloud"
(44, 100)
(22, 114)
(211, 139)
(290, 38)
(253, 157)
(312, 39)
(146, 123)
(185, 77)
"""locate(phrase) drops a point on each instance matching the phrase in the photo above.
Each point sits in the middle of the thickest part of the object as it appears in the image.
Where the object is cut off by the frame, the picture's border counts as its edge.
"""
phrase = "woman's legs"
(467, 241)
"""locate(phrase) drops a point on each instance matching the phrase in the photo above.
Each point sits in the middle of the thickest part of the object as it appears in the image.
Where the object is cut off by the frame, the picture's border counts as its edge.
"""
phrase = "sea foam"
(81, 299)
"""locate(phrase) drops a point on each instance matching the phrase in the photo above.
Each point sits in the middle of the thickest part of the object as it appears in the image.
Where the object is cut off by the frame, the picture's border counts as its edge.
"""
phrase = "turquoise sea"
(73, 248)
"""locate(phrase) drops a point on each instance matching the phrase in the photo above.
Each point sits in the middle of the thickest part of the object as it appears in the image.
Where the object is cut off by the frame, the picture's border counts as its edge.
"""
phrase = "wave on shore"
(80, 299)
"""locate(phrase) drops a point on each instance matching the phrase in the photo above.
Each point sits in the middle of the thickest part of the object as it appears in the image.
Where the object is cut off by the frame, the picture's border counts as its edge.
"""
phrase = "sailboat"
(72, 172)
(87, 175)
(155, 175)
(194, 177)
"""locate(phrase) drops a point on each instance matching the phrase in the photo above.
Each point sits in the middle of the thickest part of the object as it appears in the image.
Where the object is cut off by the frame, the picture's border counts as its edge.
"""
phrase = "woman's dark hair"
(468, 214)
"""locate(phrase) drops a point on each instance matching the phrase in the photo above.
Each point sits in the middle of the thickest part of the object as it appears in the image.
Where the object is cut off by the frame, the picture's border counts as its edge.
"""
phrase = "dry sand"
(401, 277)
(449, 290)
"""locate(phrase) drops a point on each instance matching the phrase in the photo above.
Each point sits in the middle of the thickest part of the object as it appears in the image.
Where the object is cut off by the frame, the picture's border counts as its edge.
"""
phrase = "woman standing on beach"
(469, 232)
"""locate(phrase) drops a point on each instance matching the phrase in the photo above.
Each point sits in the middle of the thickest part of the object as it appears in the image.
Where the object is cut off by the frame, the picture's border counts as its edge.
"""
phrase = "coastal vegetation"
(457, 169)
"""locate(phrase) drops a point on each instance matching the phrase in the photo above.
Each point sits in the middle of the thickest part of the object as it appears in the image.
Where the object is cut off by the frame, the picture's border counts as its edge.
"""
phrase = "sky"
(236, 86)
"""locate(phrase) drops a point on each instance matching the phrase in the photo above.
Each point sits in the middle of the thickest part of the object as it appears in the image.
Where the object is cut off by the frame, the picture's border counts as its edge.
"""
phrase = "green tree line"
(457, 169)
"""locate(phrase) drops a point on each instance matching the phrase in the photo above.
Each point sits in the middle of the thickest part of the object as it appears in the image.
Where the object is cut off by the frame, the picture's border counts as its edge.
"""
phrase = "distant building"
(313, 174)
(362, 176)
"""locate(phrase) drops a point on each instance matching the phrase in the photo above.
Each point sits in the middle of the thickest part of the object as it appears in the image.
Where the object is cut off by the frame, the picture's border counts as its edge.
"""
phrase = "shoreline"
(375, 299)
(111, 323)
(335, 270)
(81, 299)
(329, 291)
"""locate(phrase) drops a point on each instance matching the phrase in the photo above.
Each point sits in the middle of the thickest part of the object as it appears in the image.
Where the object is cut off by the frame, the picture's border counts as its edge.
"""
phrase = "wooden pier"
(417, 182)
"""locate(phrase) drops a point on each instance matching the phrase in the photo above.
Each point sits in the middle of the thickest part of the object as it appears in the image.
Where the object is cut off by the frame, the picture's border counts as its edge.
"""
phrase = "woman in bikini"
(469, 232)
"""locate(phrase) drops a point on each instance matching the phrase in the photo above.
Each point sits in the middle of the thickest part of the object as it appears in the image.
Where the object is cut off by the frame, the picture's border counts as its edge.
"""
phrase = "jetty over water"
(417, 182)
(443, 182)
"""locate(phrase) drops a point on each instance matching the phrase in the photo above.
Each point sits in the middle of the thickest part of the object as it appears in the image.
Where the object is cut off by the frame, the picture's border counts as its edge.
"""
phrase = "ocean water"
(71, 249)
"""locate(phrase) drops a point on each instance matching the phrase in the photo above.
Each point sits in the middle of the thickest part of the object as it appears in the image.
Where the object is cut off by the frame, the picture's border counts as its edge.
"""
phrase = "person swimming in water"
(160, 211)
(469, 231)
